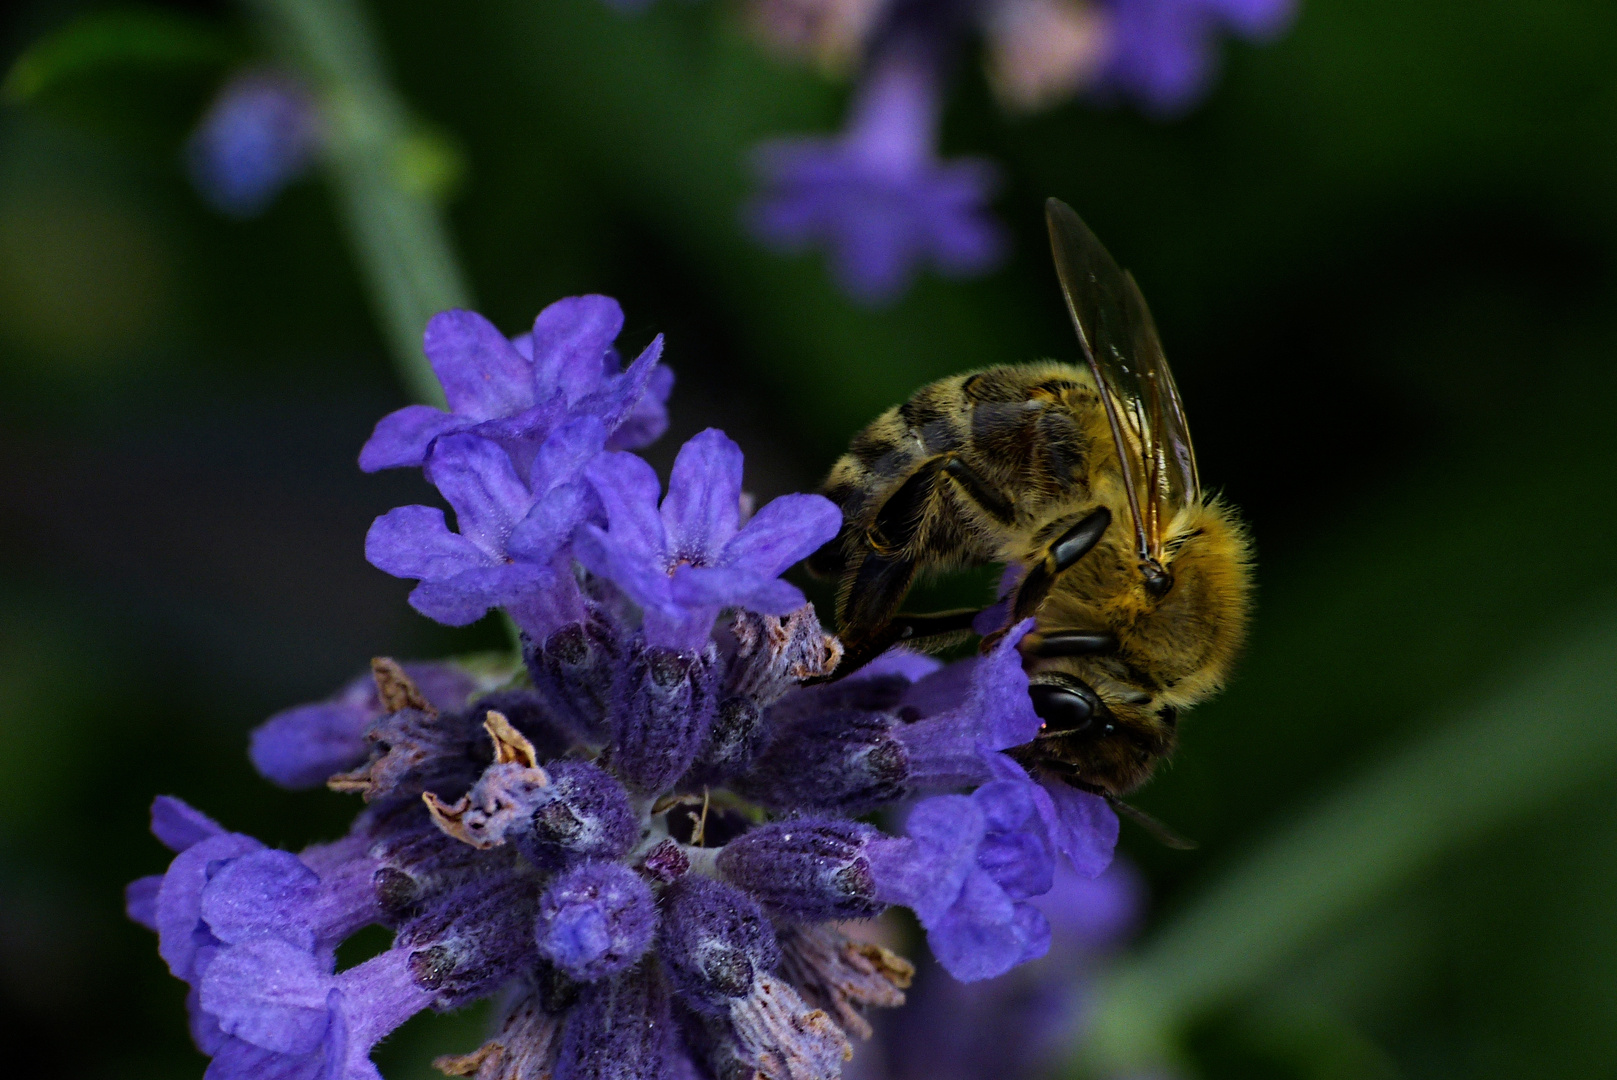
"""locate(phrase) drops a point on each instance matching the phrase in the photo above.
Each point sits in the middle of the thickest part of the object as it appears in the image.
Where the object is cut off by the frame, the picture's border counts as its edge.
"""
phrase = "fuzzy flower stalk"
(649, 843)
(878, 197)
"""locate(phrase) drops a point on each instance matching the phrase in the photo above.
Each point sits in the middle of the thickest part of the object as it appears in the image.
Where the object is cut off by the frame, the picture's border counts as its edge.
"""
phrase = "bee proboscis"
(1084, 476)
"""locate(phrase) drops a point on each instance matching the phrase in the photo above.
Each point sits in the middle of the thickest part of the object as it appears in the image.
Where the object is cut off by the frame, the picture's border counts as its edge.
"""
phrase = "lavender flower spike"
(690, 558)
(877, 197)
(642, 848)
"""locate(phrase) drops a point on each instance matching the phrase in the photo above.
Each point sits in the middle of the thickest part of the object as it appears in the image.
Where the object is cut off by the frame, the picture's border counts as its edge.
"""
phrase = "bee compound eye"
(1065, 708)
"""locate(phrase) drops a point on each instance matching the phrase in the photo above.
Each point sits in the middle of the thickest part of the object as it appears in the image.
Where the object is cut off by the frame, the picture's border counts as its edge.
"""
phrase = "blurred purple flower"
(1034, 1011)
(1164, 53)
(261, 133)
(877, 197)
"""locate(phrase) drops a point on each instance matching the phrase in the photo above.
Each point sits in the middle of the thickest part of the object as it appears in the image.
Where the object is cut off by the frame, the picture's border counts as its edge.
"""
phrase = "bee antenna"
(1164, 835)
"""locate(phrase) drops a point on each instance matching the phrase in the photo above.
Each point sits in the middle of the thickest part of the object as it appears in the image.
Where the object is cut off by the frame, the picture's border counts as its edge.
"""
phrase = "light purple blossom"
(261, 133)
(1164, 53)
(687, 559)
(517, 392)
(877, 197)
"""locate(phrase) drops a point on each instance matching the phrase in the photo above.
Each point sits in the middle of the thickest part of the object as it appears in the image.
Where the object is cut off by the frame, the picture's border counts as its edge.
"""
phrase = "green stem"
(398, 234)
(1546, 733)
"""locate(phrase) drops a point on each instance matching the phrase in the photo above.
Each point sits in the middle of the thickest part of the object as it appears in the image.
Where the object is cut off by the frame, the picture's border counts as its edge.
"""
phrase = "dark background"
(1381, 257)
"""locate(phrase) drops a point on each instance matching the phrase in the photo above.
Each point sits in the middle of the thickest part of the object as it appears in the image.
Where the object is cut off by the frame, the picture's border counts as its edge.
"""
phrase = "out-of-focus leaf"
(119, 39)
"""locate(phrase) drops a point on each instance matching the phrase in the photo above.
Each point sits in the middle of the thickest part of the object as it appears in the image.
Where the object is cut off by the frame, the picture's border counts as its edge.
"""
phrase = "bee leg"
(980, 491)
(877, 588)
(1067, 549)
(1075, 643)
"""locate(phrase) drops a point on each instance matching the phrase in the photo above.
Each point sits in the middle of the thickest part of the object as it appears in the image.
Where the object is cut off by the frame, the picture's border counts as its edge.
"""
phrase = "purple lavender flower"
(1163, 53)
(261, 133)
(645, 845)
(1035, 1011)
(518, 392)
(877, 197)
(685, 561)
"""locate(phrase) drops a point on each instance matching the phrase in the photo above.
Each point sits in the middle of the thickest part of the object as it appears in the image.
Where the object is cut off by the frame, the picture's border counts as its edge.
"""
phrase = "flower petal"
(570, 338)
(477, 478)
(602, 553)
(628, 489)
(722, 586)
(1082, 826)
(301, 747)
(786, 530)
(179, 899)
(263, 892)
(415, 542)
(179, 825)
(270, 993)
(483, 376)
(703, 506)
(403, 438)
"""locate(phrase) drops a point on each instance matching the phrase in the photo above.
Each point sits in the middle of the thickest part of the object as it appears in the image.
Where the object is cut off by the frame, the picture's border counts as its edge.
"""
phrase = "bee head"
(1105, 740)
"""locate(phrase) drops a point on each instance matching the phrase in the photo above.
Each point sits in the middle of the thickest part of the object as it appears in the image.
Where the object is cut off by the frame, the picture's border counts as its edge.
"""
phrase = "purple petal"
(403, 438)
(140, 900)
(415, 542)
(301, 747)
(270, 993)
(624, 393)
(628, 490)
(264, 892)
(569, 339)
(703, 506)
(647, 419)
(979, 937)
(898, 660)
(1016, 852)
(1082, 826)
(179, 825)
(926, 872)
(569, 448)
(466, 597)
(179, 898)
(786, 530)
(482, 375)
(552, 521)
(601, 553)
(720, 587)
(477, 478)
(999, 698)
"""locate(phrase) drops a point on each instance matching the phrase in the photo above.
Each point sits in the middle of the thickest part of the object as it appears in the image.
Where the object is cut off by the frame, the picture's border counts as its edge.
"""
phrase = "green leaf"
(117, 39)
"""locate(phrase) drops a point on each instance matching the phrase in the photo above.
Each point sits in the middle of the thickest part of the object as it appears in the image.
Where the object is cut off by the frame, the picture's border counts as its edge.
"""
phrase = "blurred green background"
(1382, 259)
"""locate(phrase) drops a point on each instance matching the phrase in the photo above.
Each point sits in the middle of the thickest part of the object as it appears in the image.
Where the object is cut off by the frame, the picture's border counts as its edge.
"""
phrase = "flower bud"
(715, 941)
(666, 717)
(841, 760)
(584, 813)
(811, 870)
(596, 920)
(621, 1029)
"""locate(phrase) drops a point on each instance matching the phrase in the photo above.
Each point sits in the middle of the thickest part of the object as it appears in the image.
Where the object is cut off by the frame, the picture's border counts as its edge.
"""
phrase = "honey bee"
(1138, 582)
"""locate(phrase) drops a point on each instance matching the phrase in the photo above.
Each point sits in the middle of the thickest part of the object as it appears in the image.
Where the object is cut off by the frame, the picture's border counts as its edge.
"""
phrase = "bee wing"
(1125, 356)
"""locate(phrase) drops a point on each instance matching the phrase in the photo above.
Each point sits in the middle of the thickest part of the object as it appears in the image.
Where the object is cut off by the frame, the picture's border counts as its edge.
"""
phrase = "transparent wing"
(1125, 355)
